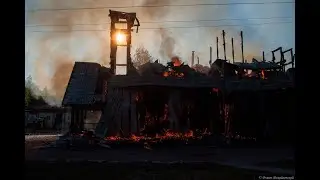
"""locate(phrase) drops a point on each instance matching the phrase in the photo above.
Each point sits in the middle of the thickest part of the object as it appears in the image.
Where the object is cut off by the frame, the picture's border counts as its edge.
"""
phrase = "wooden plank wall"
(120, 113)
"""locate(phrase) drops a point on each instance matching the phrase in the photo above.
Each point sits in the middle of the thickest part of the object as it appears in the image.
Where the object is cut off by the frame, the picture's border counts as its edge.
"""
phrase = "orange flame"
(166, 74)
(176, 62)
(168, 134)
(262, 74)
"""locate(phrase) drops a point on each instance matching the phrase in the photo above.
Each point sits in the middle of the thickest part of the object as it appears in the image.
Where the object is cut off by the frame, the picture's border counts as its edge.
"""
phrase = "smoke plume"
(155, 12)
(167, 44)
(61, 77)
(51, 55)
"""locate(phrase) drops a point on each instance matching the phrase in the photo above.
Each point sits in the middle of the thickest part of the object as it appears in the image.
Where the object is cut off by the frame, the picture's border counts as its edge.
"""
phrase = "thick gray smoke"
(167, 44)
(156, 13)
(182, 41)
(51, 55)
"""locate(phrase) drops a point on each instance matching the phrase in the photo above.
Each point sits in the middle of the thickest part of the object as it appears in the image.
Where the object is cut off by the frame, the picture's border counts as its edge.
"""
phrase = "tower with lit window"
(120, 33)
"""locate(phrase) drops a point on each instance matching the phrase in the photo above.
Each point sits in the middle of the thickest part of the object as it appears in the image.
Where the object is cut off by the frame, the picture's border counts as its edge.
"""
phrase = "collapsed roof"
(85, 78)
(82, 84)
(256, 65)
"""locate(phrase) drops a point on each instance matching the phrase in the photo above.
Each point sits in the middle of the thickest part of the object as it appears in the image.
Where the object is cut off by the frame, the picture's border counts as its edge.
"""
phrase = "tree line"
(33, 95)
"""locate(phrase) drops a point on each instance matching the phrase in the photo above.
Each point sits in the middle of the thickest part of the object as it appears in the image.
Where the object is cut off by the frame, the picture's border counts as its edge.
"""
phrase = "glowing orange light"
(120, 38)
(176, 61)
(262, 74)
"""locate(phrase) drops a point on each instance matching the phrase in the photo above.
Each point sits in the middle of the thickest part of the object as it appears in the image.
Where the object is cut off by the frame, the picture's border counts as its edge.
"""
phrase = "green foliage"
(28, 91)
(30, 99)
(27, 96)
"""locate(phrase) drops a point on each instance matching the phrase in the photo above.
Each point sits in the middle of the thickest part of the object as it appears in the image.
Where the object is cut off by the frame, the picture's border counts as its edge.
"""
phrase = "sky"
(51, 50)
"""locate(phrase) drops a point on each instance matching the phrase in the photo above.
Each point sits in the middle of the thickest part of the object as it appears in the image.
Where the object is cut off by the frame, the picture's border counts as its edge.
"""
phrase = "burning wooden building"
(178, 98)
(157, 99)
(182, 99)
(248, 99)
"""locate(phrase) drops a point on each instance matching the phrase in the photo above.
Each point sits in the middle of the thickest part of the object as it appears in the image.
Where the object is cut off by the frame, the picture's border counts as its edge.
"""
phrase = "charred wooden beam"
(241, 35)
(210, 55)
(217, 43)
(232, 50)
(224, 44)
(121, 17)
(292, 57)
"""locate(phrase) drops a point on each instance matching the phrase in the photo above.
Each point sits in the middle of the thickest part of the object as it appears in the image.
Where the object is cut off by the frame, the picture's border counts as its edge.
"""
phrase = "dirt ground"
(136, 171)
(34, 141)
(258, 160)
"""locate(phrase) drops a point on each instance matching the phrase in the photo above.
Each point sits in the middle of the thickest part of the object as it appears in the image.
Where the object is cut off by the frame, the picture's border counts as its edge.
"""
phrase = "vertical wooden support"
(232, 50)
(81, 123)
(117, 110)
(72, 117)
(133, 112)
(217, 44)
(125, 112)
(242, 55)
(224, 44)
(111, 115)
(174, 109)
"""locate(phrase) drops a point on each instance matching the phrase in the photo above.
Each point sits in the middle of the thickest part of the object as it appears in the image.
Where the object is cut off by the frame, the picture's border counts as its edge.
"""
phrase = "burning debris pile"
(173, 68)
(167, 137)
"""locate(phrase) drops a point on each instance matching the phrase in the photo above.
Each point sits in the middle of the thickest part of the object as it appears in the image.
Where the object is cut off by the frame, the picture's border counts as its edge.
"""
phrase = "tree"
(28, 92)
(28, 82)
(201, 69)
(27, 96)
(30, 97)
(141, 57)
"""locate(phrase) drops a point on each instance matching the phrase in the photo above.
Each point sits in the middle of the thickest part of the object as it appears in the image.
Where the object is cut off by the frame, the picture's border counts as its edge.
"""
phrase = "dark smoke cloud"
(167, 44)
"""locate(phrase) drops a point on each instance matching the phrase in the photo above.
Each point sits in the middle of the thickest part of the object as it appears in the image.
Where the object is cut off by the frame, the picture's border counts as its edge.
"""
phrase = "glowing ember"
(166, 74)
(216, 90)
(167, 135)
(263, 75)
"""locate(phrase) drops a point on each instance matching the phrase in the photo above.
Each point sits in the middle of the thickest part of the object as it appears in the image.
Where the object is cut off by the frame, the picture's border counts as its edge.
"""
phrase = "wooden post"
(174, 109)
(192, 59)
(81, 119)
(232, 50)
(113, 47)
(224, 44)
(133, 114)
(293, 59)
(241, 35)
(217, 48)
(263, 57)
(125, 107)
(210, 55)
